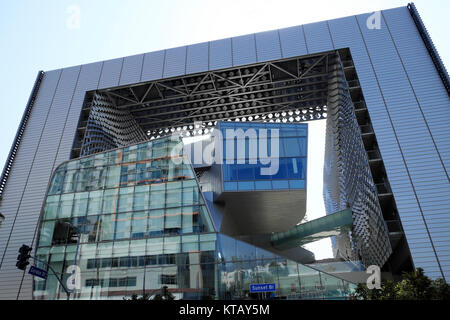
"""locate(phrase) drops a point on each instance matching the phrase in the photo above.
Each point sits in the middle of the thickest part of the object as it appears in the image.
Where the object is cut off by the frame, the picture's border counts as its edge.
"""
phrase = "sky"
(42, 35)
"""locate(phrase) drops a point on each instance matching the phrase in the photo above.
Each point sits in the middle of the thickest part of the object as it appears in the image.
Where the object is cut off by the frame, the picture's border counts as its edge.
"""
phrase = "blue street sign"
(263, 287)
(35, 271)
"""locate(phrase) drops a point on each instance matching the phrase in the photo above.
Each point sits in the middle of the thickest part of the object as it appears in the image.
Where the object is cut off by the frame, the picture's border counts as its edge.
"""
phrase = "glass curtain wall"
(134, 221)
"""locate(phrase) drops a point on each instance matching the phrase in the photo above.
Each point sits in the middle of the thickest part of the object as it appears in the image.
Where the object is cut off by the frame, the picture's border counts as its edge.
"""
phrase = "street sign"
(35, 271)
(263, 287)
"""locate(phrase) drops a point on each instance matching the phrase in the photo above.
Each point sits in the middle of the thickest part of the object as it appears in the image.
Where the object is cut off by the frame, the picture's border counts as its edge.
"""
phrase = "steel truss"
(289, 90)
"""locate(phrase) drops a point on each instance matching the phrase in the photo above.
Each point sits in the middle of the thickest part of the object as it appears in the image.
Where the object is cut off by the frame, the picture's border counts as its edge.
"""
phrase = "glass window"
(125, 199)
(46, 233)
(296, 168)
(189, 222)
(91, 229)
(65, 209)
(157, 199)
(302, 130)
(230, 172)
(297, 184)
(172, 245)
(303, 146)
(84, 179)
(230, 186)
(106, 227)
(190, 243)
(280, 184)
(114, 157)
(208, 242)
(333, 287)
(282, 169)
(98, 178)
(156, 222)
(246, 171)
(310, 283)
(288, 280)
(51, 207)
(138, 247)
(141, 173)
(139, 224)
(120, 249)
(95, 202)
(57, 183)
(154, 246)
(123, 226)
(144, 151)
(128, 174)
(100, 159)
(173, 185)
(191, 196)
(113, 178)
(173, 221)
(130, 154)
(141, 198)
(244, 186)
(173, 198)
(187, 172)
(70, 181)
(80, 204)
(175, 170)
(291, 147)
(160, 150)
(104, 253)
(110, 200)
(204, 220)
(288, 132)
(231, 146)
(263, 185)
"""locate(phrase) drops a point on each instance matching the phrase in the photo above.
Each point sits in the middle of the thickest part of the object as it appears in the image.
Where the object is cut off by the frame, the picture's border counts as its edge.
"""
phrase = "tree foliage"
(413, 286)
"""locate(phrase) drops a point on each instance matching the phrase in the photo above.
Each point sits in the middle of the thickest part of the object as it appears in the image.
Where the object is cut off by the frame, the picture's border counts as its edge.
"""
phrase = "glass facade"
(134, 220)
(244, 155)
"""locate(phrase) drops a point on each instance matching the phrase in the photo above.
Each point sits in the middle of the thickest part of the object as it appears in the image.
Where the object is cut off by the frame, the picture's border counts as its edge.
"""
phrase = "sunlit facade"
(134, 220)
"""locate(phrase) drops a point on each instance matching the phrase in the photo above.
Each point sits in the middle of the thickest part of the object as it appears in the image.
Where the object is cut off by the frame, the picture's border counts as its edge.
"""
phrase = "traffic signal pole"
(55, 274)
(22, 262)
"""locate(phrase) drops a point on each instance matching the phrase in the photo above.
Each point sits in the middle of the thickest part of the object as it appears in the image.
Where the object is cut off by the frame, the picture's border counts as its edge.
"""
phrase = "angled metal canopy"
(253, 92)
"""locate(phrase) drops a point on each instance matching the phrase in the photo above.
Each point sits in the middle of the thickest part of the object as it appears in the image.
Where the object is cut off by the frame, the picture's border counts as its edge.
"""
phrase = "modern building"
(85, 159)
(134, 220)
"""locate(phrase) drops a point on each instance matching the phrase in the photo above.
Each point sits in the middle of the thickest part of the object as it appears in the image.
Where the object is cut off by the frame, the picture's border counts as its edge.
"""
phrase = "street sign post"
(35, 271)
(263, 287)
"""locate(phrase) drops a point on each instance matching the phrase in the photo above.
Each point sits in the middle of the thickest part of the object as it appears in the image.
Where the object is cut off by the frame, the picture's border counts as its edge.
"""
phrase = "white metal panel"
(131, 69)
(244, 50)
(197, 58)
(87, 81)
(220, 55)
(111, 73)
(175, 62)
(317, 37)
(268, 46)
(292, 42)
(153, 65)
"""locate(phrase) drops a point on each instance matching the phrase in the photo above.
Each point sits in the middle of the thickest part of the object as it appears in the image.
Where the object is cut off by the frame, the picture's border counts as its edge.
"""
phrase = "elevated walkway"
(330, 225)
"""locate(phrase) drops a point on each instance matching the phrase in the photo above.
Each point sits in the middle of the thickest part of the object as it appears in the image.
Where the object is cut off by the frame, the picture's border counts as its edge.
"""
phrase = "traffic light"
(22, 258)
(164, 291)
